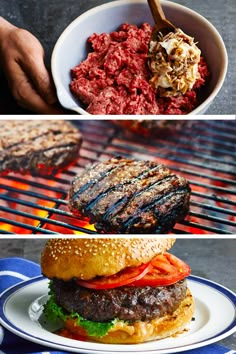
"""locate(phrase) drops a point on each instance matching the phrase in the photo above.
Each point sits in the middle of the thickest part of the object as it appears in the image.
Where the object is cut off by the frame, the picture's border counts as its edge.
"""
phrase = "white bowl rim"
(170, 4)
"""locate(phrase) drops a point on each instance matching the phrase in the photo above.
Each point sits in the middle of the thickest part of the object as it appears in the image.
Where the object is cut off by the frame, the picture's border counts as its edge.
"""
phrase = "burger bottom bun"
(139, 332)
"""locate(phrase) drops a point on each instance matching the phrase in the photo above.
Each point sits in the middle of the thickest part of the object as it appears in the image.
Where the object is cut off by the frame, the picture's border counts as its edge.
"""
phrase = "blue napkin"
(14, 270)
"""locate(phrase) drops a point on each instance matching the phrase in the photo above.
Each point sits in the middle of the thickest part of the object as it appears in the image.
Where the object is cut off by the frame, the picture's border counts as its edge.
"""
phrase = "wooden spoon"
(161, 23)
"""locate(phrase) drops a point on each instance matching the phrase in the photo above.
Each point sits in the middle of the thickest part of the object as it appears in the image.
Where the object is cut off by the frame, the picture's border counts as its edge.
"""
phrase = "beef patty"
(127, 196)
(37, 147)
(125, 303)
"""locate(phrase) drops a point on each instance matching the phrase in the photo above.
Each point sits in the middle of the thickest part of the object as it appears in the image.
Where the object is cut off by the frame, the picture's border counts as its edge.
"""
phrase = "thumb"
(43, 82)
(40, 77)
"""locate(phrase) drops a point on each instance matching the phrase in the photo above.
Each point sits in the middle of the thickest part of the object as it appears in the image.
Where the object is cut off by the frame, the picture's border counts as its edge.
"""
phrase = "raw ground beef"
(114, 79)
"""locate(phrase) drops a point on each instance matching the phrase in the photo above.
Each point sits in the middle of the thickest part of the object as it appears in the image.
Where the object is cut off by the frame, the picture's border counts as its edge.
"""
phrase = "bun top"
(86, 258)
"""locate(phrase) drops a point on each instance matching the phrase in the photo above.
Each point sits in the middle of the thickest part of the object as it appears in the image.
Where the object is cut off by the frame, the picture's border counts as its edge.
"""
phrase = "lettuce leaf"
(53, 312)
(96, 329)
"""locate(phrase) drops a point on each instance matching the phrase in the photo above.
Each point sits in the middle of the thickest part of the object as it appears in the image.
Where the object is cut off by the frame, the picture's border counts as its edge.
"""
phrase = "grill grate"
(201, 151)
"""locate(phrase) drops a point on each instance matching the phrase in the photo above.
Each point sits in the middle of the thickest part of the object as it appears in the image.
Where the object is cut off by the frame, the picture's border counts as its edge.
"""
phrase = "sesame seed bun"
(86, 258)
(141, 331)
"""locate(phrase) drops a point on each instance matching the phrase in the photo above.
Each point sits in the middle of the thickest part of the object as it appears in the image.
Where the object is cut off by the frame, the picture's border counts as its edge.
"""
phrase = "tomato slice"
(124, 277)
(166, 269)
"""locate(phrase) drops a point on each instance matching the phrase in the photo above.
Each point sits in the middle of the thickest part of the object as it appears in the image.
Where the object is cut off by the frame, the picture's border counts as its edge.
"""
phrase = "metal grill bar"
(36, 206)
(212, 218)
(32, 194)
(213, 208)
(40, 185)
(211, 229)
(170, 153)
(215, 198)
(207, 160)
(25, 226)
(43, 220)
(167, 156)
(205, 143)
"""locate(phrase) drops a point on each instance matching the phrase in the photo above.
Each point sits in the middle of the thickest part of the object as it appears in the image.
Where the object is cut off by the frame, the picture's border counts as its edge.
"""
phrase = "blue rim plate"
(214, 319)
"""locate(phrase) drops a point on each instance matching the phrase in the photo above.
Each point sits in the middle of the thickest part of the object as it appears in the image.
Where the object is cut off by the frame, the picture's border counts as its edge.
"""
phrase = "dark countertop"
(46, 19)
(209, 258)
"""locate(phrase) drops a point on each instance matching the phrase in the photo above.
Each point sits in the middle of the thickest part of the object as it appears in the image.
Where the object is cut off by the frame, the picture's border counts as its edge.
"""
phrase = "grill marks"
(108, 179)
(38, 147)
(127, 196)
(119, 187)
(128, 199)
(153, 205)
(96, 174)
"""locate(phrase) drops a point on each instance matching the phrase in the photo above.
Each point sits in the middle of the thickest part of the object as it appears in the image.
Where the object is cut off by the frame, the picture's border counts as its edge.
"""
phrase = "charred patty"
(126, 303)
(127, 196)
(37, 147)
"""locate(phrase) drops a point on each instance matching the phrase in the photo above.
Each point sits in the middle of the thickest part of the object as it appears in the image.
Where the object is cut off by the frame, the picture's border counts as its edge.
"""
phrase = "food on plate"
(37, 147)
(173, 60)
(127, 196)
(115, 77)
(116, 290)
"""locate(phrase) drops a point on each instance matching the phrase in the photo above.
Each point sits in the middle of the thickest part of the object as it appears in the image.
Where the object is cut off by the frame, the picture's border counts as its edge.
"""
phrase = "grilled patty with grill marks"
(125, 303)
(128, 196)
(37, 147)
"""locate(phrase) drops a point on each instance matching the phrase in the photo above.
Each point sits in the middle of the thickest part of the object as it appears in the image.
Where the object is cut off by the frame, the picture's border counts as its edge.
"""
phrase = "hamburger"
(116, 290)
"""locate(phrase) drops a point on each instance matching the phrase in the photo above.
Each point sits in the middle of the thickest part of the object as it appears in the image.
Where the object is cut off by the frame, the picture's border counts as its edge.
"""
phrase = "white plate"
(21, 306)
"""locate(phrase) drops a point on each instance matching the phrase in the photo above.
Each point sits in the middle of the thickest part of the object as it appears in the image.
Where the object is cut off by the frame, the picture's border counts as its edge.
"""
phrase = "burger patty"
(127, 196)
(125, 303)
(37, 147)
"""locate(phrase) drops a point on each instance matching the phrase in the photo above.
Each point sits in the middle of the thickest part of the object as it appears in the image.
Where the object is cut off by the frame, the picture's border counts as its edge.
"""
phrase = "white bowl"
(71, 47)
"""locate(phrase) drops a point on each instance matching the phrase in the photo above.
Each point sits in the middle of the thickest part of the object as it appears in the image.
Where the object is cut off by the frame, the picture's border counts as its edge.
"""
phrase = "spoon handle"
(161, 23)
(157, 12)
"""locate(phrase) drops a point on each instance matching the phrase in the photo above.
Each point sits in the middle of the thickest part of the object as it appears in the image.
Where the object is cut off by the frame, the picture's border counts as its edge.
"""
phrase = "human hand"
(22, 60)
